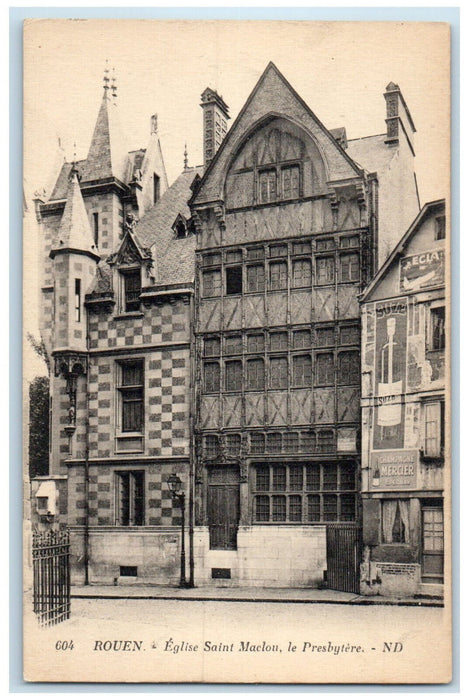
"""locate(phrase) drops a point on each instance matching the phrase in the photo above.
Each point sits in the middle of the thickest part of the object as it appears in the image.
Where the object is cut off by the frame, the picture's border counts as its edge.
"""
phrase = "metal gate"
(51, 569)
(343, 557)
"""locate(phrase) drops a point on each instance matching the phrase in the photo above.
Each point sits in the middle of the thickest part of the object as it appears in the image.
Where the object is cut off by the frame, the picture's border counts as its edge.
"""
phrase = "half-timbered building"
(211, 329)
(288, 235)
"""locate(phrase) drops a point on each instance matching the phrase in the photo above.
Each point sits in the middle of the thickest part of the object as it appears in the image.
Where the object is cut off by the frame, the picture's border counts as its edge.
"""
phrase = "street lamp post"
(179, 500)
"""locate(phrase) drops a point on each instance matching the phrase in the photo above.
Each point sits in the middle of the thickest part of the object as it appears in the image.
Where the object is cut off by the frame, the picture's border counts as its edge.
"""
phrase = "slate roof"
(371, 152)
(74, 231)
(174, 257)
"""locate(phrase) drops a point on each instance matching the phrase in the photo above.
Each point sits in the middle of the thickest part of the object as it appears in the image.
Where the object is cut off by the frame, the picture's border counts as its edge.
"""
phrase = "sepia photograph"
(236, 351)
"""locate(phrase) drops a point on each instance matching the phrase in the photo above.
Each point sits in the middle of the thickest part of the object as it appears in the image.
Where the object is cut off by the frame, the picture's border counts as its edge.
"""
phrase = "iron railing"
(51, 567)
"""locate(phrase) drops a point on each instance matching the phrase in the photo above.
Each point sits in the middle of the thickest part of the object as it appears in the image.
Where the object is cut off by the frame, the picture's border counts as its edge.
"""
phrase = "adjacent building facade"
(404, 386)
(212, 329)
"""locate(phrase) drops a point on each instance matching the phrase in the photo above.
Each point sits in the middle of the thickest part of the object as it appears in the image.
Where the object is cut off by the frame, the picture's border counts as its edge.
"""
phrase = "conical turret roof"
(107, 156)
(75, 231)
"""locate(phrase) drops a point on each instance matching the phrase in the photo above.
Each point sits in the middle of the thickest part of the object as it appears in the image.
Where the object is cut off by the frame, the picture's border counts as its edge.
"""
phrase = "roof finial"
(106, 77)
(114, 84)
(74, 169)
(186, 160)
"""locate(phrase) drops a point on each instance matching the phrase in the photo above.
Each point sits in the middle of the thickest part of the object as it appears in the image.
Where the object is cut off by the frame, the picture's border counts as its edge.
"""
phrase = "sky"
(339, 69)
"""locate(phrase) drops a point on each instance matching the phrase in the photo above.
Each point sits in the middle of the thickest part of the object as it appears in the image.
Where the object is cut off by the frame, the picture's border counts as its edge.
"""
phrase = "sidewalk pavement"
(248, 595)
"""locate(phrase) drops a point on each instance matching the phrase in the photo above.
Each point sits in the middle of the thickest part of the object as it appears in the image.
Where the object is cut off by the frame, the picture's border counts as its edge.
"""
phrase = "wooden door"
(432, 545)
(223, 507)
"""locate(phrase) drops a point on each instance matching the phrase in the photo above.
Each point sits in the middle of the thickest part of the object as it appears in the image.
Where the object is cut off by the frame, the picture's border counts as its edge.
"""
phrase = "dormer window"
(132, 288)
(181, 229)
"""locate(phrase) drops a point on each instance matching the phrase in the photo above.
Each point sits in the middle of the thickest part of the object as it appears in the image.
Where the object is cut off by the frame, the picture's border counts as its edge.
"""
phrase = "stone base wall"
(267, 556)
(154, 551)
(389, 579)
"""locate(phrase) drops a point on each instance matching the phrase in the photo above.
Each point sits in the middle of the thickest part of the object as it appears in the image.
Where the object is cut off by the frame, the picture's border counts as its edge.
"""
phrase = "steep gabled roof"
(281, 98)
(371, 153)
(400, 248)
(74, 231)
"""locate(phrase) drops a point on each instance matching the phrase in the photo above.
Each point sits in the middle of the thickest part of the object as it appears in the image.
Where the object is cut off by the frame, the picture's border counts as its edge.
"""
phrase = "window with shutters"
(255, 374)
(349, 267)
(302, 370)
(324, 369)
(211, 377)
(290, 181)
(211, 283)
(277, 276)
(325, 270)
(349, 367)
(255, 278)
(302, 273)
(279, 372)
(233, 375)
(434, 429)
(130, 498)
(130, 394)
(267, 186)
(304, 492)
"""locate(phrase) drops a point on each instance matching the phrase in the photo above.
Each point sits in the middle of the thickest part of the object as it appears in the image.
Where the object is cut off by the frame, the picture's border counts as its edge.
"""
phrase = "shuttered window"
(325, 270)
(211, 283)
(255, 278)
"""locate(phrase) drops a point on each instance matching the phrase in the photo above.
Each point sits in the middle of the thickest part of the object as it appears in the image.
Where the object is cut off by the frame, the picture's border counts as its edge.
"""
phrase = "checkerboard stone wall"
(159, 510)
(166, 323)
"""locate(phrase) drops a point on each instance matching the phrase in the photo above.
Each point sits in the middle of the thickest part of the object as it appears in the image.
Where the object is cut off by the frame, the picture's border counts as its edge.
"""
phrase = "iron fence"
(51, 567)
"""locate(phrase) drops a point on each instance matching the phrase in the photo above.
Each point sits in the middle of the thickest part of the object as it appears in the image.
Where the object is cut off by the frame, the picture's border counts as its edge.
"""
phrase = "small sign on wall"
(422, 271)
(393, 470)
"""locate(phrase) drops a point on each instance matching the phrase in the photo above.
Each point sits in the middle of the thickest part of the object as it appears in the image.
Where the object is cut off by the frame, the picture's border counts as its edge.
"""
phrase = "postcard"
(237, 463)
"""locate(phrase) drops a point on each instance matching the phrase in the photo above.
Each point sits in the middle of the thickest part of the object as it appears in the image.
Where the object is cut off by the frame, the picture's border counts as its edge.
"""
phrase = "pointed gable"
(107, 156)
(74, 231)
(273, 97)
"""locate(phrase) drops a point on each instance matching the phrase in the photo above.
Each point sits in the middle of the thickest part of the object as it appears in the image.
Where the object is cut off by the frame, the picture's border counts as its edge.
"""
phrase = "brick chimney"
(215, 123)
(400, 125)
